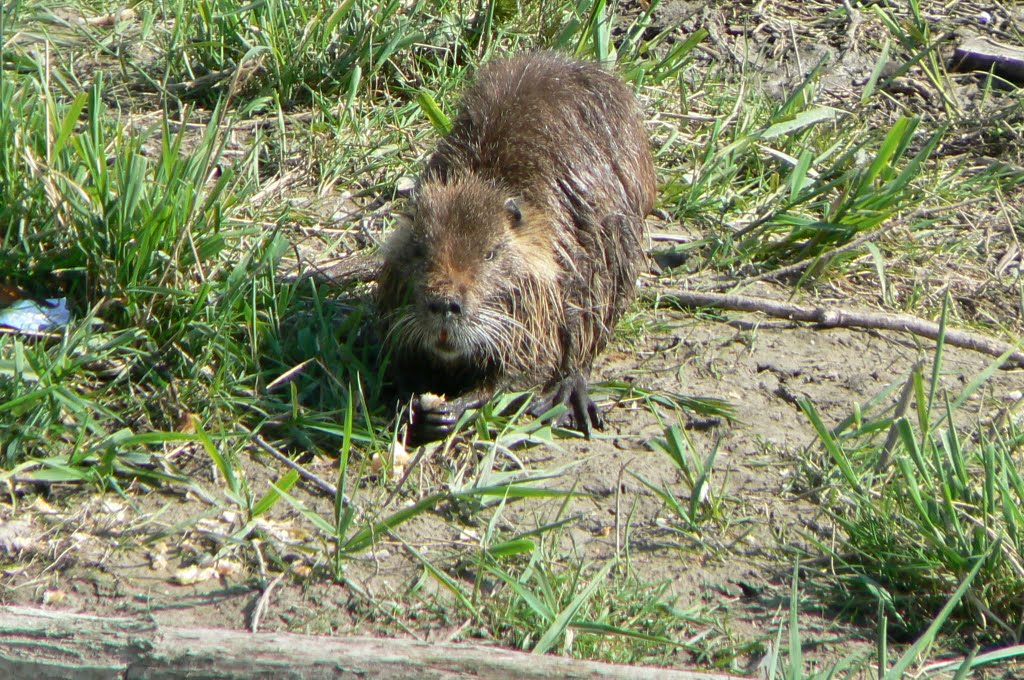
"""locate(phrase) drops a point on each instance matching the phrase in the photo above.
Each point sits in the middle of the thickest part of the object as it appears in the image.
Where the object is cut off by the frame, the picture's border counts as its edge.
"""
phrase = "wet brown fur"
(537, 295)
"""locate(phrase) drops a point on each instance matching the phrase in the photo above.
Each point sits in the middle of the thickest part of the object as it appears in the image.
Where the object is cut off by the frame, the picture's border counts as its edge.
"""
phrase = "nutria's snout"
(445, 315)
(445, 307)
(444, 326)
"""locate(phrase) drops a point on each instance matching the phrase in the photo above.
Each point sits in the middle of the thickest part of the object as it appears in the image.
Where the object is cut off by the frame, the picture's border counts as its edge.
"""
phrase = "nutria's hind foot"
(432, 417)
(583, 414)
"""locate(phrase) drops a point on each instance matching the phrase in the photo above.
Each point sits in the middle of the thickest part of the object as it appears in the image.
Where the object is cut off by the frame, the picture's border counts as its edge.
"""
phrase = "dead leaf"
(193, 574)
(53, 596)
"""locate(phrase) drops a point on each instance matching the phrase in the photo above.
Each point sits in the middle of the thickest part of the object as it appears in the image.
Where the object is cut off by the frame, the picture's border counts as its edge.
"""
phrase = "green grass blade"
(446, 581)
(796, 660)
(607, 629)
(899, 669)
(368, 535)
(565, 617)
(804, 119)
(442, 123)
(831, 445)
(314, 518)
(536, 604)
(871, 86)
(226, 467)
(286, 482)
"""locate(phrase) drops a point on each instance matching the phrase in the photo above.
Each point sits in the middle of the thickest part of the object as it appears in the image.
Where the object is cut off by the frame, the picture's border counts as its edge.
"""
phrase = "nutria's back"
(552, 129)
(523, 241)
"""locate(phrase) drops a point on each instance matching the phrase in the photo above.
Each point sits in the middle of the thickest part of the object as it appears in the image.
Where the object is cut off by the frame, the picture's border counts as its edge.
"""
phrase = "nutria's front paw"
(433, 417)
(583, 414)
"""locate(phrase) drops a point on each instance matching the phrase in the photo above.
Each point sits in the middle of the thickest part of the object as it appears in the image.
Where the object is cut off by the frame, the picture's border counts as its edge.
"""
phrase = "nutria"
(522, 242)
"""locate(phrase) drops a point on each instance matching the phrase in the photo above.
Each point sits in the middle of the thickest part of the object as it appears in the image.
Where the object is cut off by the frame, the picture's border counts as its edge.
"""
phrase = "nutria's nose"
(445, 306)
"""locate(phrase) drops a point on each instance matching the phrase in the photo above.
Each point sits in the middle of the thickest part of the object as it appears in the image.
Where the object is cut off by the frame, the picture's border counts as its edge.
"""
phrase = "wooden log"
(48, 644)
(981, 53)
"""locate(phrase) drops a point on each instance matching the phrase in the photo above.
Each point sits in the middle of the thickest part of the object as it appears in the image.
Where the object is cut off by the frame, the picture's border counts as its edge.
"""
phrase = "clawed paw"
(432, 417)
(582, 415)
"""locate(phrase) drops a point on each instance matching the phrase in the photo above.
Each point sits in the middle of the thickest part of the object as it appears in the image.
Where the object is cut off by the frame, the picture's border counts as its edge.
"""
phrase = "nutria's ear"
(514, 212)
(403, 220)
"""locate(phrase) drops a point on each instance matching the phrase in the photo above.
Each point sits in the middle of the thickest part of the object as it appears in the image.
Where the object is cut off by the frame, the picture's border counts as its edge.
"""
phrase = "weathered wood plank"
(47, 644)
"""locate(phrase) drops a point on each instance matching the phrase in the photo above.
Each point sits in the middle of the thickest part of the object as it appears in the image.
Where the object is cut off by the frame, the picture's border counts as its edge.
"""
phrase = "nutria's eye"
(490, 255)
(419, 250)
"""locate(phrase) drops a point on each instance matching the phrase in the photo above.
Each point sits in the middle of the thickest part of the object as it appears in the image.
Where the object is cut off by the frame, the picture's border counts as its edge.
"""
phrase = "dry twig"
(321, 484)
(841, 318)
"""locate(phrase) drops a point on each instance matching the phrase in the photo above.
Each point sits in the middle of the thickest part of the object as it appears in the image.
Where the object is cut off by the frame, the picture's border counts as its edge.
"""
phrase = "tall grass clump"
(791, 177)
(783, 182)
(145, 223)
(142, 229)
(920, 495)
(286, 52)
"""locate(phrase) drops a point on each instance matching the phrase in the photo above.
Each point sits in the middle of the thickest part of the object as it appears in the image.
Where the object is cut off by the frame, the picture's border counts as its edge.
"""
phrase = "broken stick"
(836, 318)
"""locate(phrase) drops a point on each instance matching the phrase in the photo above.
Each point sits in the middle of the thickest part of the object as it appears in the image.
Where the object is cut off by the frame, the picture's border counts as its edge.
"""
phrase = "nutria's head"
(459, 270)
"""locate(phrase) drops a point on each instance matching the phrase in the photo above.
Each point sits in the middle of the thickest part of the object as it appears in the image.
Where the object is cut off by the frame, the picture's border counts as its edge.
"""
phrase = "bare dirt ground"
(103, 554)
(129, 554)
